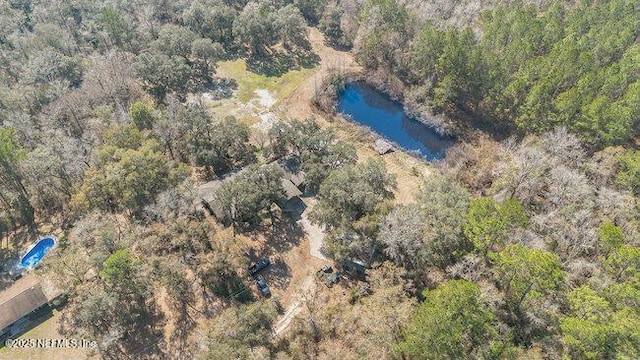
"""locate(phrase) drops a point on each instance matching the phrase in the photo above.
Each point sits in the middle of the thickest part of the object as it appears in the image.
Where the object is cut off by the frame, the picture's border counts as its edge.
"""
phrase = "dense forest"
(524, 242)
(526, 71)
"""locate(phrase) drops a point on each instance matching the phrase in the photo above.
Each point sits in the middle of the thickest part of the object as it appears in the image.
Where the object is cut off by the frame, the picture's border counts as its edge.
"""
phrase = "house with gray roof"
(26, 296)
(292, 184)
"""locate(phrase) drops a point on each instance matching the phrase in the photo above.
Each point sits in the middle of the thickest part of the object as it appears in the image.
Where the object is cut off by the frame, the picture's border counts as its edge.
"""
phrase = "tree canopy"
(352, 192)
(521, 243)
(16, 207)
(488, 224)
(451, 322)
(596, 330)
(248, 194)
(529, 70)
(127, 179)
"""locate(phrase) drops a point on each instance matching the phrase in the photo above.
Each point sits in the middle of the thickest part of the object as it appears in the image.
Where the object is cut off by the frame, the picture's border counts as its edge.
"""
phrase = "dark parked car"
(262, 286)
(332, 279)
(325, 269)
(254, 268)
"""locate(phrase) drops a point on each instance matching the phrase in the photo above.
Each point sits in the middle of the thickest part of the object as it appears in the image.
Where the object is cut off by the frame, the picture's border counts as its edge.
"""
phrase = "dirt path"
(295, 307)
(316, 237)
(297, 104)
(284, 323)
(314, 232)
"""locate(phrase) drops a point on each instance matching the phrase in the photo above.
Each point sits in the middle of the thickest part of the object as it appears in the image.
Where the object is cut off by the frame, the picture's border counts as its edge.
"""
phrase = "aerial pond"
(367, 106)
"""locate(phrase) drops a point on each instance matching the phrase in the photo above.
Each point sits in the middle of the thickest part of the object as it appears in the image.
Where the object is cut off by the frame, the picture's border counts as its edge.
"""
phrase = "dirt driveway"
(297, 105)
(315, 233)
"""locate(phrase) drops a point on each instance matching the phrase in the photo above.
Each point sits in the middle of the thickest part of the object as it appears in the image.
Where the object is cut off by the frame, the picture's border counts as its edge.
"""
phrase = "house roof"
(297, 179)
(290, 189)
(291, 167)
(207, 190)
(19, 300)
(291, 181)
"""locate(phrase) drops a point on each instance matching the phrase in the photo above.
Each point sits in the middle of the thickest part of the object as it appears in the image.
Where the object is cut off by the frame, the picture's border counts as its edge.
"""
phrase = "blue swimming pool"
(367, 106)
(33, 257)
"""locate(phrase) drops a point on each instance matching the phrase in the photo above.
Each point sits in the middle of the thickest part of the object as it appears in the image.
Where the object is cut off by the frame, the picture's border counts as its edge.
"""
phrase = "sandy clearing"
(265, 98)
(295, 308)
(266, 121)
(314, 232)
(297, 104)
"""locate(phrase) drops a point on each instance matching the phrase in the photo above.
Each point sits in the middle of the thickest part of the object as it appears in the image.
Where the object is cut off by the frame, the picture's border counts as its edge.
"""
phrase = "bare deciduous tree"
(563, 146)
(521, 172)
(402, 233)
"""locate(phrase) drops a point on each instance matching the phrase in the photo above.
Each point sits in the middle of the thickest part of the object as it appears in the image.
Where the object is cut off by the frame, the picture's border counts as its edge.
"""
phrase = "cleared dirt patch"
(265, 98)
(315, 233)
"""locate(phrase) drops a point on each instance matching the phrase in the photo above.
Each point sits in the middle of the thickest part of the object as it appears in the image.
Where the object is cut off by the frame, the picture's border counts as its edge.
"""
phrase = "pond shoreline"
(384, 116)
(334, 84)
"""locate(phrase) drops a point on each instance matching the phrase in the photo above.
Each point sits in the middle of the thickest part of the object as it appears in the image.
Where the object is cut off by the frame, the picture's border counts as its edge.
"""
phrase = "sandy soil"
(407, 170)
(315, 233)
(265, 98)
(297, 104)
(294, 308)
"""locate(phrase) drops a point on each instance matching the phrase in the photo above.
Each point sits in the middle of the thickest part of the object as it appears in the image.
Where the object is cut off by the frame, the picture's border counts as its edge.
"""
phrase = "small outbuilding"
(382, 146)
(292, 203)
(291, 191)
(292, 172)
(354, 268)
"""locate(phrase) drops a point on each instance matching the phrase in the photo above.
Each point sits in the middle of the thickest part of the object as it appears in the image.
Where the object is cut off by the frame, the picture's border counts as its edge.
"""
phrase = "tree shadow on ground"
(146, 340)
(226, 285)
(471, 121)
(338, 46)
(282, 235)
(278, 274)
(6, 255)
(11, 253)
(220, 88)
(179, 344)
(277, 63)
(5, 281)
(252, 254)
(8, 260)
(12, 243)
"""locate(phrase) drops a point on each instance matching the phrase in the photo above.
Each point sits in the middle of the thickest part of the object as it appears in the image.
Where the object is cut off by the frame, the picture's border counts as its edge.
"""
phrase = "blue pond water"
(32, 258)
(372, 108)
